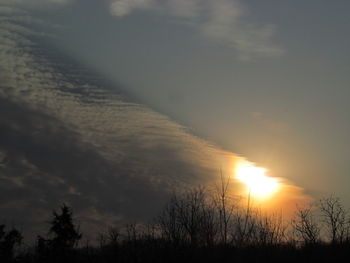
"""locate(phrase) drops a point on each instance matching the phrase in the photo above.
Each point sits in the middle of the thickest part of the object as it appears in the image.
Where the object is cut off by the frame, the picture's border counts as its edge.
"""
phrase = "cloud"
(224, 21)
(67, 136)
(125, 7)
(35, 1)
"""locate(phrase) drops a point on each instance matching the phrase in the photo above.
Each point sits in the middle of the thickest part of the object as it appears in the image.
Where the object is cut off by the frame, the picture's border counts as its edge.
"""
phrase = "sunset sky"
(112, 104)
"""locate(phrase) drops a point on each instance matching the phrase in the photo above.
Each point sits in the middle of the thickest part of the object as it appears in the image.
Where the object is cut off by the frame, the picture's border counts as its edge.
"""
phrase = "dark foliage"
(64, 238)
(8, 242)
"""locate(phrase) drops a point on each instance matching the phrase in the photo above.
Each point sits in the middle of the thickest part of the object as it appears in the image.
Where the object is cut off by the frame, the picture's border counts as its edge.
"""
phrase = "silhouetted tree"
(8, 241)
(335, 217)
(131, 232)
(268, 230)
(113, 235)
(65, 234)
(196, 216)
(189, 218)
(305, 226)
(224, 206)
(244, 224)
(169, 222)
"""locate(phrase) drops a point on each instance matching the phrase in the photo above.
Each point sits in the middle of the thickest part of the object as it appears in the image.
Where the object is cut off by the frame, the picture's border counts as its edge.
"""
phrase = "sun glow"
(258, 183)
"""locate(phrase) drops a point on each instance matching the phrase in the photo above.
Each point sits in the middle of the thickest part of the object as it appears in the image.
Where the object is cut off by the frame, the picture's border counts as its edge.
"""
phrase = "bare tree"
(209, 227)
(113, 235)
(244, 225)
(102, 239)
(335, 217)
(131, 232)
(305, 225)
(189, 217)
(224, 206)
(170, 226)
(268, 230)
(149, 231)
(191, 214)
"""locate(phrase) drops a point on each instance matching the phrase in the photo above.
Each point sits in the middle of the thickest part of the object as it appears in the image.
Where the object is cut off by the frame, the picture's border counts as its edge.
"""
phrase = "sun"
(258, 183)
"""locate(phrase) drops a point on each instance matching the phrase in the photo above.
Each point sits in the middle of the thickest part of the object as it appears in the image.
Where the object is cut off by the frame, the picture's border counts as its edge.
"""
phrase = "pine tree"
(65, 234)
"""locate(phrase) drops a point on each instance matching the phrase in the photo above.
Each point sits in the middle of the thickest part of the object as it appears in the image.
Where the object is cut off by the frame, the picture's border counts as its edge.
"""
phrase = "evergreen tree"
(65, 234)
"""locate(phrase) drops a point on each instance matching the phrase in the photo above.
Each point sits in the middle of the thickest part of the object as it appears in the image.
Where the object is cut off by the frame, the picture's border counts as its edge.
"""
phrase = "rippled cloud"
(67, 135)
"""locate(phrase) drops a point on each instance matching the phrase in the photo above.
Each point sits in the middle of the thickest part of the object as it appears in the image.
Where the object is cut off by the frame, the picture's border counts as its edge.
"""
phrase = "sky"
(265, 80)
(113, 104)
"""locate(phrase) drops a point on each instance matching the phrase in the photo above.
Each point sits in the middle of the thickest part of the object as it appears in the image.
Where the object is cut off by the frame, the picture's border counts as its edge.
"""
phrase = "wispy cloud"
(35, 1)
(224, 21)
(122, 8)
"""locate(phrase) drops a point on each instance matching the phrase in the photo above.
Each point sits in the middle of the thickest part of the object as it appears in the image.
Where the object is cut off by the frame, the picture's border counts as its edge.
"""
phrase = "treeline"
(196, 226)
